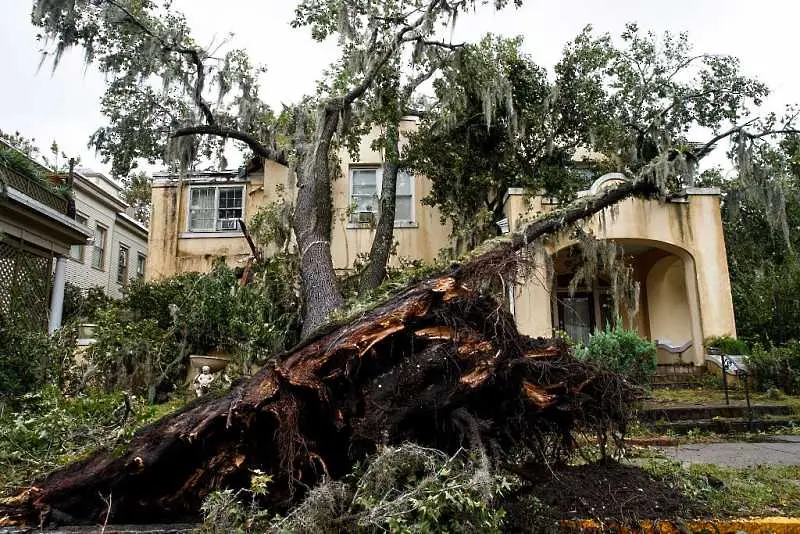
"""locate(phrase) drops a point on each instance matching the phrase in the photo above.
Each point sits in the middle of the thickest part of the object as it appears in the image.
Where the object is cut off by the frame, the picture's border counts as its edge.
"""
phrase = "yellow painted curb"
(753, 525)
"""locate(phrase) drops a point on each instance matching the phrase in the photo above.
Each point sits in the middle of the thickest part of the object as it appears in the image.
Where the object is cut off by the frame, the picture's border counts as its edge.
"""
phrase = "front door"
(576, 315)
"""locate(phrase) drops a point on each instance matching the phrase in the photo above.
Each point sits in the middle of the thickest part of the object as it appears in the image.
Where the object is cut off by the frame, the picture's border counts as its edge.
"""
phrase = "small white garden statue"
(202, 382)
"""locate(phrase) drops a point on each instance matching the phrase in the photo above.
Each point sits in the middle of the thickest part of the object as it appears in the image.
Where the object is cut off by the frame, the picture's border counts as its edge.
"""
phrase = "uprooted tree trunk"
(439, 364)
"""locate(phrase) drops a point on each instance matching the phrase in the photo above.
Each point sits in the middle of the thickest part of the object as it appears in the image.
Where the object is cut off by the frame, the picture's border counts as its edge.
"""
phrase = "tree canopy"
(633, 103)
(497, 118)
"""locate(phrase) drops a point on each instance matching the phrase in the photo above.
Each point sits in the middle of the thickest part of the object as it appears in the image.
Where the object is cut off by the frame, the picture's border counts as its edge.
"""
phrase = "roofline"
(98, 192)
(134, 223)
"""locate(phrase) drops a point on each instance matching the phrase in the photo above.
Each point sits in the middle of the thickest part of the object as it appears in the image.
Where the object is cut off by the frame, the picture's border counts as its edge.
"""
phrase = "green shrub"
(29, 358)
(728, 345)
(80, 305)
(622, 351)
(136, 356)
(776, 367)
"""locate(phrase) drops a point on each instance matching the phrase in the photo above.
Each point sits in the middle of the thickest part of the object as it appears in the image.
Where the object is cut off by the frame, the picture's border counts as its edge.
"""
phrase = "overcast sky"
(64, 106)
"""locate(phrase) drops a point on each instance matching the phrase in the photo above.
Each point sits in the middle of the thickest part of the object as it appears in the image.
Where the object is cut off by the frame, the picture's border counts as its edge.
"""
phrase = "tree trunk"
(375, 271)
(312, 225)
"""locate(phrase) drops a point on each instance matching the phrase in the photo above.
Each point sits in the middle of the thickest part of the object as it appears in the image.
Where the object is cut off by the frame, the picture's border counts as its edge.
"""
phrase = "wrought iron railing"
(34, 189)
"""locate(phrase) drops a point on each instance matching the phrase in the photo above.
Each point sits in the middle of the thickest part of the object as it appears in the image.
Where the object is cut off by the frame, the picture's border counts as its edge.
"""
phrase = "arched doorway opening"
(666, 309)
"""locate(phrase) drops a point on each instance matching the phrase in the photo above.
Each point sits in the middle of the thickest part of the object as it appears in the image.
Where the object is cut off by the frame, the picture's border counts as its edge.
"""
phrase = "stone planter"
(217, 362)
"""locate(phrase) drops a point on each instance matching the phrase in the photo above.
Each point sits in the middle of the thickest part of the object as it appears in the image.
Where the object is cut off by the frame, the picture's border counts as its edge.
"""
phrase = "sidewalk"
(775, 450)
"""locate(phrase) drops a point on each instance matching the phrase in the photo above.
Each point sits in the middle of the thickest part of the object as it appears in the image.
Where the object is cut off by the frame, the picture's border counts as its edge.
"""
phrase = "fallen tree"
(439, 363)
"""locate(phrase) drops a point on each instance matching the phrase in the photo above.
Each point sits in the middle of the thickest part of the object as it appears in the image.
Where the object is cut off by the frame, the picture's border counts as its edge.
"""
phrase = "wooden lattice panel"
(24, 284)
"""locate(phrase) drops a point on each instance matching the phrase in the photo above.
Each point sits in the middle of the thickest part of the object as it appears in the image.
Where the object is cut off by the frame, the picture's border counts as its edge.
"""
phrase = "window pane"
(365, 203)
(202, 198)
(122, 265)
(402, 208)
(140, 262)
(201, 220)
(365, 182)
(98, 250)
(230, 203)
(76, 251)
(404, 183)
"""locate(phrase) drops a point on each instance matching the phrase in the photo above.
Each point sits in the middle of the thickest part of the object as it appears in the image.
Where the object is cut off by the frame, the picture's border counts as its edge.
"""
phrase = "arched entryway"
(666, 308)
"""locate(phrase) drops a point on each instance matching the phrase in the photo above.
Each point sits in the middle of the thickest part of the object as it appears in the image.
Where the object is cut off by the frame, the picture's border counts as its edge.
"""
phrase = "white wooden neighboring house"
(118, 251)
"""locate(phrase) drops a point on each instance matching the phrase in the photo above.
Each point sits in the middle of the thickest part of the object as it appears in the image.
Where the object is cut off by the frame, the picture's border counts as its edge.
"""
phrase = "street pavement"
(778, 450)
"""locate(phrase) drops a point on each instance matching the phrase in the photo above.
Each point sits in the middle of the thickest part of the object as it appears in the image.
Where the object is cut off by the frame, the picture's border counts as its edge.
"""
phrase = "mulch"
(608, 491)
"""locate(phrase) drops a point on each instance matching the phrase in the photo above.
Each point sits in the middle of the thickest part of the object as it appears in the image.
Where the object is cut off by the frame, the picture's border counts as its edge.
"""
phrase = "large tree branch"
(278, 156)
(579, 210)
(765, 133)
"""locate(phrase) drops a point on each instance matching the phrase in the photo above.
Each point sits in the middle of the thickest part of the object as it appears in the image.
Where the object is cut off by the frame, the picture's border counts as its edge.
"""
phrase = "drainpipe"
(57, 297)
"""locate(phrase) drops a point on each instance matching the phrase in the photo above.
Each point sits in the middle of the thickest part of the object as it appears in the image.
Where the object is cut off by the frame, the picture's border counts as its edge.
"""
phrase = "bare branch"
(278, 156)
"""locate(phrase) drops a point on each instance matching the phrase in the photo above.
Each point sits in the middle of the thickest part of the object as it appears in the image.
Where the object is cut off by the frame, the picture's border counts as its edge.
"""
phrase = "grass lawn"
(734, 492)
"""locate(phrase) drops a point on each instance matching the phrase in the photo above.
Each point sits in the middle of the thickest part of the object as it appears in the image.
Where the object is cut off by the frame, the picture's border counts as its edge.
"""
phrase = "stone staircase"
(718, 418)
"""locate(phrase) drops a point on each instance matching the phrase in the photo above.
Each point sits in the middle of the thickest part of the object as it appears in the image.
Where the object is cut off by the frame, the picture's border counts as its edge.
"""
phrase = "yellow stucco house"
(676, 248)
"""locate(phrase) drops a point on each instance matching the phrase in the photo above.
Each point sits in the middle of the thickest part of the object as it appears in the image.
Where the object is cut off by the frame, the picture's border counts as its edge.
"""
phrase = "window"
(77, 251)
(122, 265)
(404, 198)
(140, 261)
(365, 184)
(215, 209)
(364, 195)
(99, 250)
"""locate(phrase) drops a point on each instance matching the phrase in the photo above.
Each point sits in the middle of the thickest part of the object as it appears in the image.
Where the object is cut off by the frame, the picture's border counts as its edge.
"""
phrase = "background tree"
(137, 192)
(761, 216)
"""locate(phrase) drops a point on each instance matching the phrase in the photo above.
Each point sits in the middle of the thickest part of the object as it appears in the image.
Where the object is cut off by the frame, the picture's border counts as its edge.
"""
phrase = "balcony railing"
(34, 189)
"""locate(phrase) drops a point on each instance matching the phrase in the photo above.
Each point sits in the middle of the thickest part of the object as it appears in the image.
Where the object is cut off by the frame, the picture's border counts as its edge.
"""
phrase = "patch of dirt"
(605, 490)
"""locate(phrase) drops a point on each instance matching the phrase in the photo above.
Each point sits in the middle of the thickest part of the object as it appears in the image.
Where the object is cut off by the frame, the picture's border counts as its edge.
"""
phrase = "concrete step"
(672, 385)
(677, 369)
(725, 425)
(690, 412)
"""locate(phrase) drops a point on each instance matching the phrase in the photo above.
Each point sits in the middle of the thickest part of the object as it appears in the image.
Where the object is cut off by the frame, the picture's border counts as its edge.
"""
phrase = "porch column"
(57, 296)
(693, 299)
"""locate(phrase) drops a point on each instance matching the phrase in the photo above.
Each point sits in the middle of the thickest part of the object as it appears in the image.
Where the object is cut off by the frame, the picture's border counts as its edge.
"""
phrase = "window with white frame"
(215, 209)
(365, 186)
(364, 194)
(122, 265)
(404, 198)
(99, 249)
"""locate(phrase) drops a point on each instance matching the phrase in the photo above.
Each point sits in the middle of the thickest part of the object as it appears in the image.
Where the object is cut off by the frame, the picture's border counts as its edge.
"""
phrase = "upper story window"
(404, 198)
(364, 195)
(365, 187)
(77, 251)
(215, 208)
(140, 262)
(99, 250)
(122, 265)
